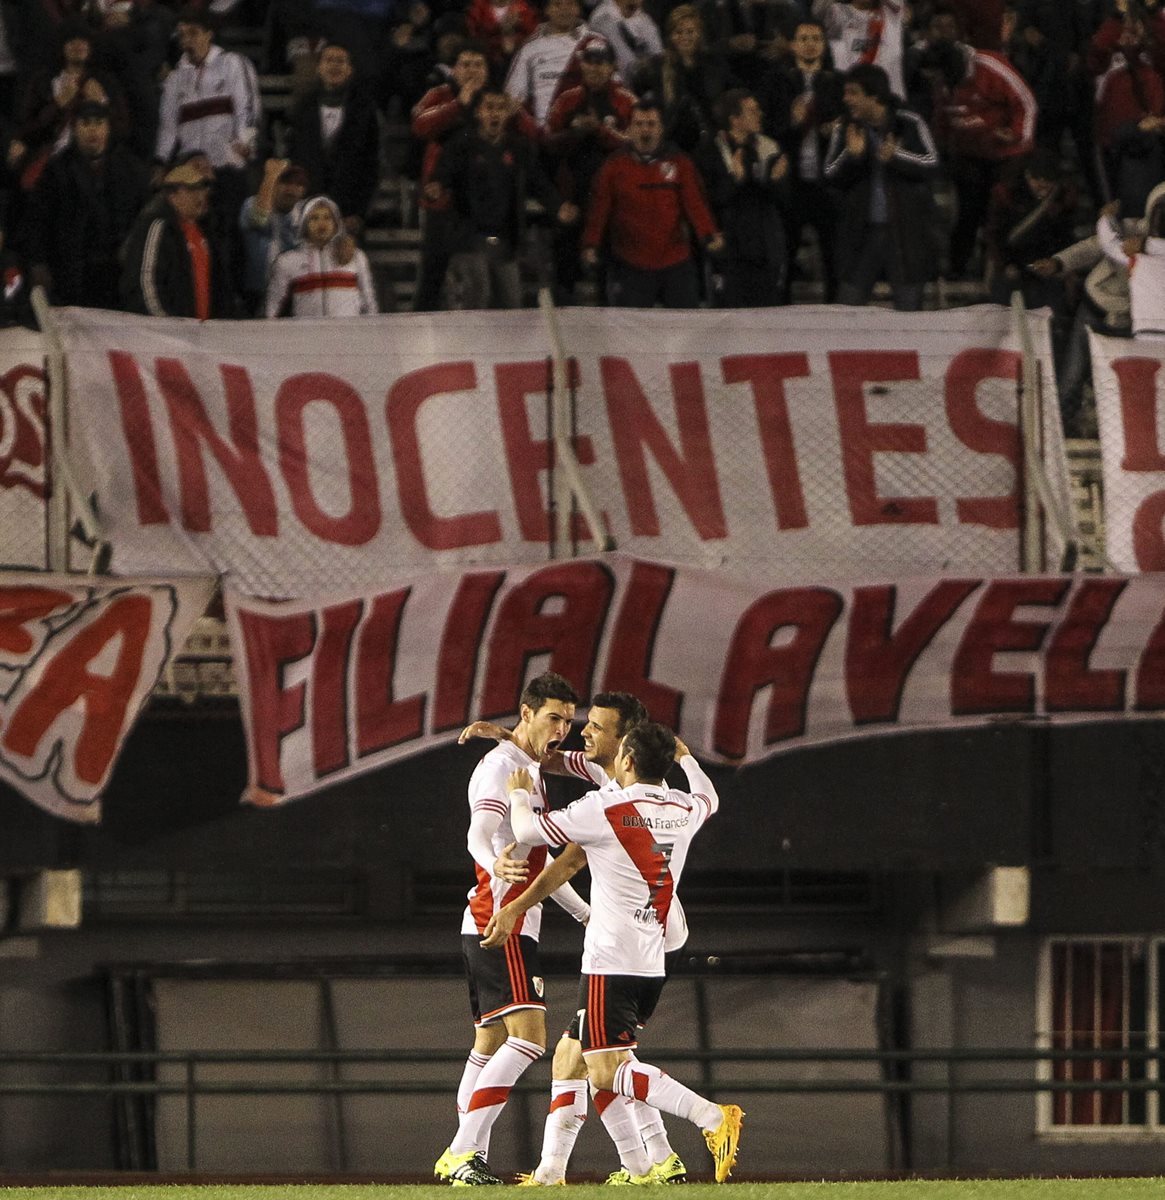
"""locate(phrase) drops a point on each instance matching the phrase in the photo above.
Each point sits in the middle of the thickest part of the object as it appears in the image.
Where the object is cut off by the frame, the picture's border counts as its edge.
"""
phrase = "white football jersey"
(874, 36)
(637, 841)
(577, 763)
(487, 790)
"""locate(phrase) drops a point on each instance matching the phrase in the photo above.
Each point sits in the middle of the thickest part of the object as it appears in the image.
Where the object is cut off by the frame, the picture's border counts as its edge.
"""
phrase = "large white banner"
(78, 660)
(1130, 411)
(23, 455)
(801, 443)
(344, 683)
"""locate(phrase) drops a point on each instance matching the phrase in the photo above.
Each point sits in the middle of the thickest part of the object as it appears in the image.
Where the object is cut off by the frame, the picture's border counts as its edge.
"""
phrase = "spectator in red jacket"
(644, 200)
(984, 124)
(585, 125)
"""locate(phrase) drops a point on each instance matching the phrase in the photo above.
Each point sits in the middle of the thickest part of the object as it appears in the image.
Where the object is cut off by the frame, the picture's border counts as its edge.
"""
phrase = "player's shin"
(642, 1081)
(620, 1123)
(564, 1122)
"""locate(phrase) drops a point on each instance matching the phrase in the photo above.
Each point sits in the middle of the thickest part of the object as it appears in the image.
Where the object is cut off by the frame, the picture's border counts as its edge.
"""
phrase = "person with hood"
(1142, 254)
(313, 280)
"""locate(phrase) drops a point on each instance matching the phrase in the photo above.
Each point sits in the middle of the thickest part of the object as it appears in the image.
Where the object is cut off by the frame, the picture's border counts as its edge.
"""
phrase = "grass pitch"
(922, 1189)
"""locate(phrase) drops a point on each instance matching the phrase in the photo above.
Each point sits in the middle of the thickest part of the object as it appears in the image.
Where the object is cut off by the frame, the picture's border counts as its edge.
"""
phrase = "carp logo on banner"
(77, 662)
(23, 481)
(302, 456)
(343, 684)
(1129, 384)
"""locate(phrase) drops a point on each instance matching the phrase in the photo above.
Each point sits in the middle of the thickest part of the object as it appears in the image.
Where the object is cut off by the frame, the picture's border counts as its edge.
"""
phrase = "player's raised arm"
(698, 782)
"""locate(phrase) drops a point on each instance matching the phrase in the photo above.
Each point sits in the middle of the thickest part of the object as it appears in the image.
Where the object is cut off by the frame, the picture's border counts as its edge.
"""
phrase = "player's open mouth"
(553, 744)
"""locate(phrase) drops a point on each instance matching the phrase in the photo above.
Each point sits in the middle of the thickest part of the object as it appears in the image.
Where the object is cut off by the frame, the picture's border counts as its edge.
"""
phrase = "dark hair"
(630, 709)
(873, 80)
(648, 102)
(548, 685)
(470, 46)
(652, 748)
(193, 15)
(729, 105)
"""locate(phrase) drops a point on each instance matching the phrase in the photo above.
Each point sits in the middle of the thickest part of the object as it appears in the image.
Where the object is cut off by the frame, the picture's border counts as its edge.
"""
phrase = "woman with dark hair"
(686, 79)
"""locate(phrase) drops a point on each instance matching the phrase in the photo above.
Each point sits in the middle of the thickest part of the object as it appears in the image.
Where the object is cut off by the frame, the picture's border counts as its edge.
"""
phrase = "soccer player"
(505, 992)
(611, 715)
(636, 840)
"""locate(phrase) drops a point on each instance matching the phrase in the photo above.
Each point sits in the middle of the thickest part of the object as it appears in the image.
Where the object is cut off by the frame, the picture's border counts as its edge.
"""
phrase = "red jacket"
(994, 96)
(1120, 104)
(580, 153)
(645, 206)
(484, 24)
(1106, 42)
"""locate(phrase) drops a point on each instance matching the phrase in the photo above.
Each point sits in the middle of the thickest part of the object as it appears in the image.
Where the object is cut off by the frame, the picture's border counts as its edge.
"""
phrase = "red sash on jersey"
(212, 106)
(323, 281)
(873, 37)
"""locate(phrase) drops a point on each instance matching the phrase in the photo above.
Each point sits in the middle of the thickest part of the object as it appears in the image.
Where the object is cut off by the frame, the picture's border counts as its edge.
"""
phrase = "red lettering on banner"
(976, 687)
(558, 611)
(271, 644)
(460, 645)
(862, 438)
(239, 458)
(68, 681)
(19, 608)
(878, 657)
(1150, 693)
(1070, 685)
(138, 428)
(361, 522)
(766, 374)
(402, 406)
(528, 457)
(329, 687)
(984, 434)
(634, 426)
(381, 720)
(807, 615)
(632, 643)
(1137, 378)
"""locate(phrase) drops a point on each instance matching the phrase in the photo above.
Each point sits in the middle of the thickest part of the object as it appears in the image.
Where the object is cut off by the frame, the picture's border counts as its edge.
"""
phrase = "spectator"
(1143, 256)
(488, 171)
(334, 134)
(1111, 36)
(268, 226)
(751, 32)
(586, 123)
(633, 35)
(645, 198)
(502, 26)
(210, 102)
(537, 69)
(53, 96)
(364, 26)
(325, 275)
(83, 207)
(804, 102)
(687, 79)
(746, 172)
(982, 20)
(9, 61)
(882, 160)
(984, 120)
(866, 31)
(174, 266)
(1130, 120)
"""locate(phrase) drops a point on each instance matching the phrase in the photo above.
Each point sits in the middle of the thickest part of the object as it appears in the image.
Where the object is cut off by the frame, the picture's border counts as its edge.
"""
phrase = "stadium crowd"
(651, 151)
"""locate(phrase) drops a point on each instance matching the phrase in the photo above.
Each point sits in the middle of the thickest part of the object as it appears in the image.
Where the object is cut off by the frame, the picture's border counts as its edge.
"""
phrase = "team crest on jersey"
(667, 170)
(539, 986)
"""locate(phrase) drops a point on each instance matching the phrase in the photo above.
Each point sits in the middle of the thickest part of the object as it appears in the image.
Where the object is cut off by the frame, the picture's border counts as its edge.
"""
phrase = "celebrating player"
(636, 839)
(505, 992)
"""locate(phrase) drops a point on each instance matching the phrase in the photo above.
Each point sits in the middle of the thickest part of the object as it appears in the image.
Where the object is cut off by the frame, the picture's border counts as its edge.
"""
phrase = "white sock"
(619, 1121)
(652, 1131)
(473, 1066)
(642, 1081)
(564, 1121)
(491, 1092)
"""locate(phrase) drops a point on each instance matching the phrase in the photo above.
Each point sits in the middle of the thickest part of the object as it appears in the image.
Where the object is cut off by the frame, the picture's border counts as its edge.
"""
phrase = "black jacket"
(156, 277)
(347, 170)
(748, 210)
(780, 89)
(909, 178)
(78, 219)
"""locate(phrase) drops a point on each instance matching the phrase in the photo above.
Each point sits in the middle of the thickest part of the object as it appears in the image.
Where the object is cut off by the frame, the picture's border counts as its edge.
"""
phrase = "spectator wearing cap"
(502, 26)
(746, 174)
(586, 124)
(645, 200)
(334, 134)
(45, 117)
(630, 30)
(210, 102)
(268, 226)
(173, 265)
(83, 207)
